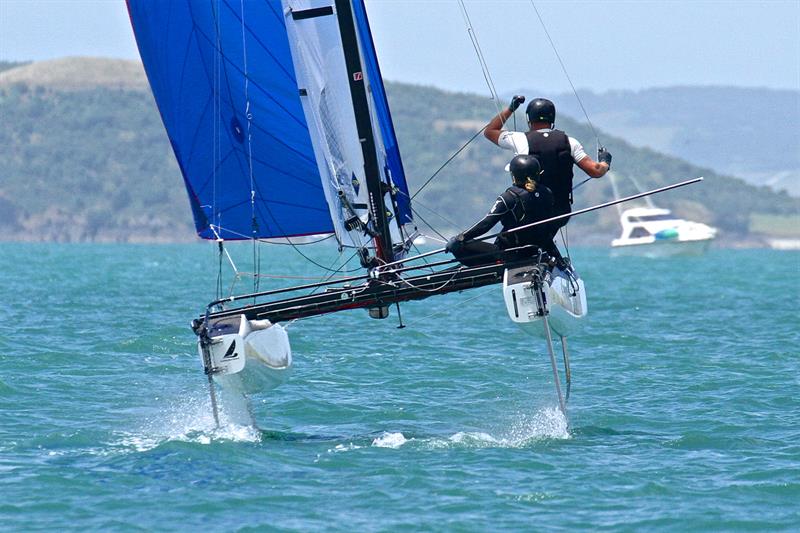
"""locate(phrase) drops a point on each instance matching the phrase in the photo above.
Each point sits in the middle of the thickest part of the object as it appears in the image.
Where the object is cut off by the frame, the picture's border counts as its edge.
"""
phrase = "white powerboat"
(656, 232)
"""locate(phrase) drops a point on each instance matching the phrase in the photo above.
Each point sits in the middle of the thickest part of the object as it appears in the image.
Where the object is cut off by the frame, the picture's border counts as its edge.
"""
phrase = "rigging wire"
(339, 270)
(477, 133)
(424, 259)
(493, 92)
(481, 59)
(563, 232)
(435, 212)
(289, 242)
(416, 214)
(216, 137)
(564, 69)
(639, 188)
(249, 116)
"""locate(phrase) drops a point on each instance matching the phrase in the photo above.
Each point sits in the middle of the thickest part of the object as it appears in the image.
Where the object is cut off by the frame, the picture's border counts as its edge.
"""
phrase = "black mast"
(358, 93)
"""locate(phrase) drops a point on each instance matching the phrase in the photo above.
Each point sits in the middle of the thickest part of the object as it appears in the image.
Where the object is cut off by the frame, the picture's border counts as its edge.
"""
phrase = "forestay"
(255, 100)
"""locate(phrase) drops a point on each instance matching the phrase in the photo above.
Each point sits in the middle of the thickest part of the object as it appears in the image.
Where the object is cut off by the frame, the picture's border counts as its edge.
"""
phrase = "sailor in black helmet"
(555, 151)
(526, 201)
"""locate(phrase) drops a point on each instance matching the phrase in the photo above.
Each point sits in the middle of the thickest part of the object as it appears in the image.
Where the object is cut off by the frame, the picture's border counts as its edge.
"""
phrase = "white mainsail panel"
(325, 93)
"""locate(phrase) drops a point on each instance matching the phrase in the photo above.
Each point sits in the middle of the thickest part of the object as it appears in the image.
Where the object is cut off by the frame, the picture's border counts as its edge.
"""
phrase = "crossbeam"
(379, 292)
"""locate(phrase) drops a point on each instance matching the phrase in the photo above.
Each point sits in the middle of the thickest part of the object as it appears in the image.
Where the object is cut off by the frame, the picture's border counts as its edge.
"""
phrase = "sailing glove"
(455, 243)
(604, 156)
(516, 102)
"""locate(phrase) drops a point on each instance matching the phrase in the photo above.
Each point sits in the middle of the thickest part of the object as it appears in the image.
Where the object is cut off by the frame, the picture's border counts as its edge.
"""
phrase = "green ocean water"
(684, 414)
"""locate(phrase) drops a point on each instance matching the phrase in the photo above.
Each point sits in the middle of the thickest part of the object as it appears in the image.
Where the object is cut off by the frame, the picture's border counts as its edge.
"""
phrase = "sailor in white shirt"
(556, 151)
(517, 142)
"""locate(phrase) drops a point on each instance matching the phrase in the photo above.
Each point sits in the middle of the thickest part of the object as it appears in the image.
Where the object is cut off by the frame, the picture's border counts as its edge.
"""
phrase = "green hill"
(753, 133)
(85, 158)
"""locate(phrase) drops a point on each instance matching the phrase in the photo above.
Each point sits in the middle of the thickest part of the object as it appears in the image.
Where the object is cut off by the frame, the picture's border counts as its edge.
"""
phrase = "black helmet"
(525, 166)
(541, 110)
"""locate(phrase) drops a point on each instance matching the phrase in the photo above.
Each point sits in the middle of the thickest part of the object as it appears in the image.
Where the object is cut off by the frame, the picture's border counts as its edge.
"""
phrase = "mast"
(358, 93)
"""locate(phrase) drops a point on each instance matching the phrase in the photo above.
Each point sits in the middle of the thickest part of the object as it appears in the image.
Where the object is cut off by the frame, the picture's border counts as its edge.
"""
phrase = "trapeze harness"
(554, 153)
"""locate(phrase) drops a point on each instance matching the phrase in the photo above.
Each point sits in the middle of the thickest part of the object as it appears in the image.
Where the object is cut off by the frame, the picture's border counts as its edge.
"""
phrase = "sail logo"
(358, 76)
(231, 353)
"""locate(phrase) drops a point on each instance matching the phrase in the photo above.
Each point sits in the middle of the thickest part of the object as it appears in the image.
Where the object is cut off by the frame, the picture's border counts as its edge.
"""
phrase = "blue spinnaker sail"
(251, 96)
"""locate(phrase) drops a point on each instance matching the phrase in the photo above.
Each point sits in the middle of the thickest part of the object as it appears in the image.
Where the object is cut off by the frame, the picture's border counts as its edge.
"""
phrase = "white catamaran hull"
(564, 300)
(254, 357)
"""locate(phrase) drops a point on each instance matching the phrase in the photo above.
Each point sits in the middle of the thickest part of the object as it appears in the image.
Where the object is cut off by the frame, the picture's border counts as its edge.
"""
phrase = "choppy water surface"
(684, 411)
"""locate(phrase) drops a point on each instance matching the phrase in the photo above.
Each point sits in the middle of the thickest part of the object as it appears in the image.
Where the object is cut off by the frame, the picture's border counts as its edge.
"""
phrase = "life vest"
(553, 151)
(526, 207)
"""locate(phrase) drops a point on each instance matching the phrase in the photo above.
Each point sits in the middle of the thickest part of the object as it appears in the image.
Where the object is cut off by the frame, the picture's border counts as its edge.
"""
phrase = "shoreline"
(760, 242)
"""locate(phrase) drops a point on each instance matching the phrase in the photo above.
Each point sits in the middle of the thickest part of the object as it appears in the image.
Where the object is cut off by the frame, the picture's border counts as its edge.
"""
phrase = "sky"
(605, 45)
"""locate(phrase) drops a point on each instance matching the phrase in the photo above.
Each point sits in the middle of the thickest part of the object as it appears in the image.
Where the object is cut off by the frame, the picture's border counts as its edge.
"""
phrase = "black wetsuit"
(514, 208)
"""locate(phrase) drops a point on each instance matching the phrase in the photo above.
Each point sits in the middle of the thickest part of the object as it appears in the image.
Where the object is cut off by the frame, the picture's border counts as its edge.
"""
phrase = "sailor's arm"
(596, 169)
(488, 222)
(592, 167)
(494, 128)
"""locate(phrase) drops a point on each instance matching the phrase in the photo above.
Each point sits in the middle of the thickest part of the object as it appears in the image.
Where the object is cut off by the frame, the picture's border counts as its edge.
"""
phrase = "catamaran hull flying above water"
(531, 292)
(248, 356)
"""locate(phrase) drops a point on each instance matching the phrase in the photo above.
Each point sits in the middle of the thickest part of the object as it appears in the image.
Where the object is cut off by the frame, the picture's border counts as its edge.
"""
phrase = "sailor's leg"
(567, 371)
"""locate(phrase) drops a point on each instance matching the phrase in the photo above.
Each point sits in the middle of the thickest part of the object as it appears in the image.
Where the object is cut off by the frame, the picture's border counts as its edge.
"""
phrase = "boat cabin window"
(639, 232)
(652, 218)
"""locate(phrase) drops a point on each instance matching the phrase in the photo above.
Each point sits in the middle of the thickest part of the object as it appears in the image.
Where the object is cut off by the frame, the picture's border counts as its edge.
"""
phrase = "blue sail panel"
(222, 75)
(381, 109)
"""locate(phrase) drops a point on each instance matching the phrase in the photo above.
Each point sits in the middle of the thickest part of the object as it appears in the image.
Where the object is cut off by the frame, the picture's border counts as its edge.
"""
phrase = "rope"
(437, 289)
(426, 317)
(581, 183)
(219, 271)
(564, 69)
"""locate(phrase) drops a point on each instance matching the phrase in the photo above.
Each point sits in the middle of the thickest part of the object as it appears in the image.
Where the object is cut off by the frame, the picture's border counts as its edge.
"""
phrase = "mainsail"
(256, 100)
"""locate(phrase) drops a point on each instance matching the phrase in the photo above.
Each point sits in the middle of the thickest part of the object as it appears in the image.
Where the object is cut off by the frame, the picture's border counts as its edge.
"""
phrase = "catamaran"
(278, 117)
